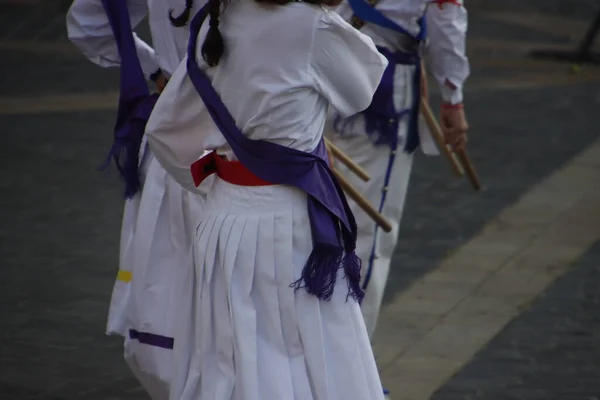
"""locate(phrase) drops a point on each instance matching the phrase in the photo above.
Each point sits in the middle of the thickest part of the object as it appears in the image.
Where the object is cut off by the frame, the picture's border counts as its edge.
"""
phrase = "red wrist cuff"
(441, 3)
(452, 106)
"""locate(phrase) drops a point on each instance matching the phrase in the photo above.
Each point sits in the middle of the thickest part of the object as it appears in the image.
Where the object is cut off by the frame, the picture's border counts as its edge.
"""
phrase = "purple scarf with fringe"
(332, 223)
(135, 101)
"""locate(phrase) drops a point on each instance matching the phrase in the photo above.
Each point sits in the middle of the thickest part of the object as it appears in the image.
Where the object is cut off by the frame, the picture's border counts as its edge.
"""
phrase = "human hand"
(454, 125)
(160, 82)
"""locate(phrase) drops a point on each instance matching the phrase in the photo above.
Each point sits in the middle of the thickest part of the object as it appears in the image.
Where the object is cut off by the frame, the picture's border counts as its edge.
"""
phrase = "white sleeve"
(88, 28)
(176, 126)
(345, 65)
(446, 53)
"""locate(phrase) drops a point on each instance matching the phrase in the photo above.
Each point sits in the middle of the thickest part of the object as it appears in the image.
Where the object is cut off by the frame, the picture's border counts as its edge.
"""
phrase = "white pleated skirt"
(253, 337)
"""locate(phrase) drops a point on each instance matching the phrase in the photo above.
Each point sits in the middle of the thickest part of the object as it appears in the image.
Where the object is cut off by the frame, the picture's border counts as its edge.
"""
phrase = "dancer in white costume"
(389, 161)
(148, 299)
(276, 67)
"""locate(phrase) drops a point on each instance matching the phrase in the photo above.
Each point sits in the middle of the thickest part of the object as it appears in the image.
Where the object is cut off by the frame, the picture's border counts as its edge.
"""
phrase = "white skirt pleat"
(255, 337)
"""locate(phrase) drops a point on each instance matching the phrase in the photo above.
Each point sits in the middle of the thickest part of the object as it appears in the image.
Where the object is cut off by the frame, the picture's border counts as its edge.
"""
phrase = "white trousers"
(389, 170)
(386, 191)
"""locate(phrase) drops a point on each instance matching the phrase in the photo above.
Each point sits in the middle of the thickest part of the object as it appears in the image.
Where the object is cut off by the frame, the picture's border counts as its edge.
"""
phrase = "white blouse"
(88, 28)
(283, 67)
(446, 30)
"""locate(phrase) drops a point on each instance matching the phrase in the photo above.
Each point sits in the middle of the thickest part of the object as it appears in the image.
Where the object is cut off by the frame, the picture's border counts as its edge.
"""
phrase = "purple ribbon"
(152, 339)
(135, 101)
(332, 223)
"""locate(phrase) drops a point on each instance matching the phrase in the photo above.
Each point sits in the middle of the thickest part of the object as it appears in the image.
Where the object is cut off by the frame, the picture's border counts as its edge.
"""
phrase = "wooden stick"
(351, 191)
(436, 132)
(463, 156)
(347, 161)
(362, 202)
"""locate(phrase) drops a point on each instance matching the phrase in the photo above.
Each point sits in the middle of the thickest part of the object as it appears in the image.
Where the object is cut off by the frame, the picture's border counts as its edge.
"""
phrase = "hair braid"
(213, 46)
(183, 18)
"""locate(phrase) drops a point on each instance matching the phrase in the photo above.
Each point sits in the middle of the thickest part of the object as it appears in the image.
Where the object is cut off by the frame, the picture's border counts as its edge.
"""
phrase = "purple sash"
(135, 100)
(332, 223)
(381, 117)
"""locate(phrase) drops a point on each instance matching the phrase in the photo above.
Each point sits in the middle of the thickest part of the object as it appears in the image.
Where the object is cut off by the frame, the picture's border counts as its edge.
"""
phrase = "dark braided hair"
(183, 18)
(213, 46)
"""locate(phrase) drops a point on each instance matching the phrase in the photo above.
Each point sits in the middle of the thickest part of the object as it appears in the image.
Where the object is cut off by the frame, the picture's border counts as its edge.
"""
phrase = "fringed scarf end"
(319, 275)
(382, 129)
(340, 125)
(352, 268)
(104, 167)
(129, 130)
(320, 272)
(126, 154)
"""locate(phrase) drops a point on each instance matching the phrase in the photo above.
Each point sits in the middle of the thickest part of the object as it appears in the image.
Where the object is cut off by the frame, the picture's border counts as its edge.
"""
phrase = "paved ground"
(432, 329)
(60, 218)
(549, 352)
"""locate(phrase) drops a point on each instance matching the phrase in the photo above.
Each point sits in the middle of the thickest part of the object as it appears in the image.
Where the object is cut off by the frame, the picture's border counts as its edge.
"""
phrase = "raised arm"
(88, 28)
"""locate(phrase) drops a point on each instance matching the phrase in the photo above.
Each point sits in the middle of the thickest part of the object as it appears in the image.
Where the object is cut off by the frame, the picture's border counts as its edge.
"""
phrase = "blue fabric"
(370, 14)
(381, 117)
(135, 101)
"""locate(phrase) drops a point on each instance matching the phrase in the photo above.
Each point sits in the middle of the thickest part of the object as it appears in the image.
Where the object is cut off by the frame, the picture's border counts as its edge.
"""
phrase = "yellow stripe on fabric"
(124, 276)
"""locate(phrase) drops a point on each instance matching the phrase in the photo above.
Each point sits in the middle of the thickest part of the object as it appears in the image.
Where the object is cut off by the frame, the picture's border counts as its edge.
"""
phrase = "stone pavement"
(550, 352)
(435, 327)
(529, 119)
